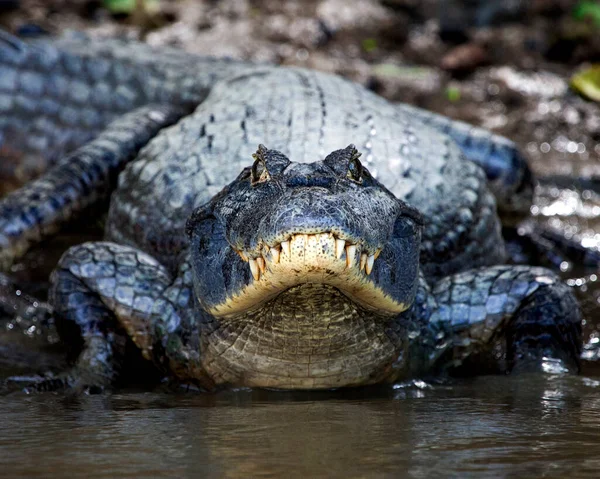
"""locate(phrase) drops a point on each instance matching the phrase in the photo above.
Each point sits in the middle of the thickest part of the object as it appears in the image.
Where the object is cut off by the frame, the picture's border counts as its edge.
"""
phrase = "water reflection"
(491, 426)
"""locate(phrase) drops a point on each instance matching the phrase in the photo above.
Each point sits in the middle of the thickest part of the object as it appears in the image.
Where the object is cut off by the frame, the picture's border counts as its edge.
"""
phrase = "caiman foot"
(93, 373)
(75, 382)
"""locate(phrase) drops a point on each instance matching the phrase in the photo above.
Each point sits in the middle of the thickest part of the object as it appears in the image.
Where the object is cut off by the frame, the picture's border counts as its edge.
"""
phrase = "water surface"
(526, 426)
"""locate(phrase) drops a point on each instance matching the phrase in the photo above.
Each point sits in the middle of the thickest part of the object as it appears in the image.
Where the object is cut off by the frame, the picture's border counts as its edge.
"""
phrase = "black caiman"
(361, 245)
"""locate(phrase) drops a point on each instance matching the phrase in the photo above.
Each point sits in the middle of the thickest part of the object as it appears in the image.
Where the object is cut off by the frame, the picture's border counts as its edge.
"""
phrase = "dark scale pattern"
(153, 288)
(53, 100)
(83, 178)
(528, 309)
(505, 166)
(187, 164)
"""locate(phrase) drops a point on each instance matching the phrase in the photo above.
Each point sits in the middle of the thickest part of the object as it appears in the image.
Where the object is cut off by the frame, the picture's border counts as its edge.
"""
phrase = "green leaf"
(587, 82)
(128, 6)
(369, 44)
(119, 6)
(587, 9)
(408, 72)
(453, 94)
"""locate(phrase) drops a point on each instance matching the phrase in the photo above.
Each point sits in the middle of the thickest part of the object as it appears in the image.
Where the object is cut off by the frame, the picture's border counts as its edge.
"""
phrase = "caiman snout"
(283, 224)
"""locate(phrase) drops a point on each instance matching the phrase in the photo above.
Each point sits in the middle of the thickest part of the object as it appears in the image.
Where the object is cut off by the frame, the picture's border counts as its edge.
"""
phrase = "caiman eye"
(355, 168)
(260, 173)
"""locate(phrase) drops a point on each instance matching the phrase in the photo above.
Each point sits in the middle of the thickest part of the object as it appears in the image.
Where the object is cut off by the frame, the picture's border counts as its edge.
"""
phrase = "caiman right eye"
(355, 168)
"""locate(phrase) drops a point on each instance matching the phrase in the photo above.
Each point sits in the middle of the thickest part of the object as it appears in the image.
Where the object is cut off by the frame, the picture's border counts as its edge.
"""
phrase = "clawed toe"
(72, 382)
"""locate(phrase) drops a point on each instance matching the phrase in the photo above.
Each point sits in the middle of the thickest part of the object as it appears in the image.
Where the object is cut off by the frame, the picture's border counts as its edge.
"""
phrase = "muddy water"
(530, 426)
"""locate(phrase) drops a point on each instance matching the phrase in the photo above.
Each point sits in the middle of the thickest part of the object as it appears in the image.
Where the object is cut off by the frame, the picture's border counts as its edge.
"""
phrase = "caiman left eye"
(260, 173)
(355, 168)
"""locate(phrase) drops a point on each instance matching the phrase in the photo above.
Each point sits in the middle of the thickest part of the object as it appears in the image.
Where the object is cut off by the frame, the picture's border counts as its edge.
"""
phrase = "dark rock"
(7, 5)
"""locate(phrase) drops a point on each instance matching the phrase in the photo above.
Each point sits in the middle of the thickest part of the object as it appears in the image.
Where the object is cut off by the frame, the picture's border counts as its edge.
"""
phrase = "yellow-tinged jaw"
(310, 258)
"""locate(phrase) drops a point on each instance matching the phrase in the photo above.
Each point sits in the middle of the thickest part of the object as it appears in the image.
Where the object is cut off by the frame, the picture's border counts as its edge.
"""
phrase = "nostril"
(309, 195)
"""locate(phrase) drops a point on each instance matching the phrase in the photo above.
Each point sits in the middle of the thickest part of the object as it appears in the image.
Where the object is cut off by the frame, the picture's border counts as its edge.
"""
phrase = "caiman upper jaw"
(311, 259)
(273, 253)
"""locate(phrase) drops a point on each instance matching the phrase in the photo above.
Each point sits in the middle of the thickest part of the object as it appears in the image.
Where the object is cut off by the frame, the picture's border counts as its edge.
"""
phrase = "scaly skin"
(310, 317)
(85, 177)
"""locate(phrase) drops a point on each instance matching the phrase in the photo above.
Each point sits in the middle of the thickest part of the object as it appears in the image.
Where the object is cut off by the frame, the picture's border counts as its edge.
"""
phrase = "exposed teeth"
(261, 264)
(275, 254)
(303, 238)
(258, 266)
(286, 247)
(369, 265)
(339, 247)
(350, 253)
(254, 268)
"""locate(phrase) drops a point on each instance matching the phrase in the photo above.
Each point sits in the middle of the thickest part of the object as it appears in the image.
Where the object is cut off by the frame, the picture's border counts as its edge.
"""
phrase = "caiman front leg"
(507, 318)
(111, 293)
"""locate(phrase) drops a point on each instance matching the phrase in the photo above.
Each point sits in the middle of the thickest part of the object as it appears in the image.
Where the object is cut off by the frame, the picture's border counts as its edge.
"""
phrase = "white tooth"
(254, 269)
(275, 254)
(261, 264)
(286, 247)
(369, 265)
(266, 248)
(339, 247)
(350, 253)
(377, 253)
(303, 238)
(243, 256)
(363, 261)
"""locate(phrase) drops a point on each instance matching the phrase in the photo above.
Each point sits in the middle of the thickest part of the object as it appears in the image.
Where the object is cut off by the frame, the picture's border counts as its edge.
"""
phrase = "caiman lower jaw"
(310, 337)
(311, 258)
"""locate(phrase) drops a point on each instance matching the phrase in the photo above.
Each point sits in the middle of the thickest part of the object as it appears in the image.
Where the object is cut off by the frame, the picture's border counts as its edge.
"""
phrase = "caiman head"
(301, 269)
